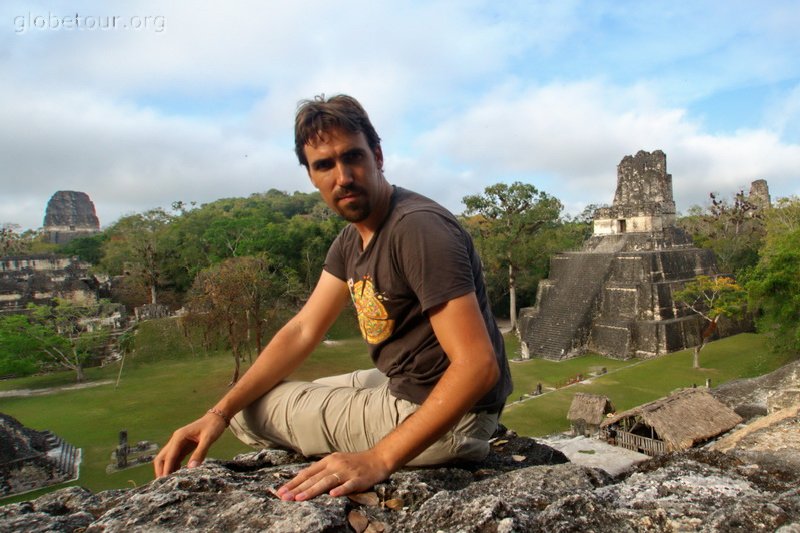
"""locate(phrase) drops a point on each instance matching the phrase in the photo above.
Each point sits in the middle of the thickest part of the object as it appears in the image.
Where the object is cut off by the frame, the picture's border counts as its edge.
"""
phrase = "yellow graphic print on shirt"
(372, 316)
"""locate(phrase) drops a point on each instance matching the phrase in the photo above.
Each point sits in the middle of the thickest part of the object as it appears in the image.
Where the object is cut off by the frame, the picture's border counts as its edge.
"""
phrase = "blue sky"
(140, 104)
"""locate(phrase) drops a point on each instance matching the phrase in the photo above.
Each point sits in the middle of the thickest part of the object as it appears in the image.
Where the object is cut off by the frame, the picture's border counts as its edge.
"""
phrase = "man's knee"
(468, 440)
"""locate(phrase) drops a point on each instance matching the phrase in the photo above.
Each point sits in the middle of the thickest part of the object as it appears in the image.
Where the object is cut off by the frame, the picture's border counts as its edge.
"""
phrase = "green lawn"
(150, 402)
(154, 398)
(631, 383)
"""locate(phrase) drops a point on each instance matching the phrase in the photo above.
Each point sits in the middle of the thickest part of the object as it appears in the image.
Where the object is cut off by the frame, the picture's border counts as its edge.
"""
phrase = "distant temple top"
(643, 201)
(70, 214)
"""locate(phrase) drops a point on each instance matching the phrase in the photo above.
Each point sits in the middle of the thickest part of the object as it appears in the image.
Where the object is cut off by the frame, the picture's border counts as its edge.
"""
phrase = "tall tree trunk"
(696, 356)
(79, 373)
(257, 321)
(236, 367)
(707, 332)
(235, 349)
(512, 296)
(153, 298)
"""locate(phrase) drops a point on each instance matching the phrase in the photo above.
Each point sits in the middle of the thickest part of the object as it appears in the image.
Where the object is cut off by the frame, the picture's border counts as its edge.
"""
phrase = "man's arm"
(287, 349)
(473, 371)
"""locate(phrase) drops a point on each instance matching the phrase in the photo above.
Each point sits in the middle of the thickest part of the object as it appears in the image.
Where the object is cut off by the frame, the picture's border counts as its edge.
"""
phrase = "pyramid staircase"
(559, 324)
(64, 455)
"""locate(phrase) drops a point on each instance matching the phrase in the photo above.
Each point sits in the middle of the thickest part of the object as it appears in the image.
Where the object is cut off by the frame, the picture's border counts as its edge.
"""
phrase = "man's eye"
(354, 157)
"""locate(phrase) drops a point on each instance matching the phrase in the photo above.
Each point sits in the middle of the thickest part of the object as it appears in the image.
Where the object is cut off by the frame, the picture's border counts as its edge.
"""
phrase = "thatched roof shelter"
(682, 419)
(591, 408)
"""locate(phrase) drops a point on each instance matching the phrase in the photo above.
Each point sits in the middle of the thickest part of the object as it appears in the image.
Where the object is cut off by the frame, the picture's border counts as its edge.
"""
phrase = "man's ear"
(378, 156)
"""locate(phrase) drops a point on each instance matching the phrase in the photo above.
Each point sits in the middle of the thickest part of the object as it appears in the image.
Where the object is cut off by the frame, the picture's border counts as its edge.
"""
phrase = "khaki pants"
(349, 413)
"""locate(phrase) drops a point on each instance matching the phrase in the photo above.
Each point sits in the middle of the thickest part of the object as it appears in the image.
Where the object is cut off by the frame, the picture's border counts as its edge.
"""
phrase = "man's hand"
(337, 474)
(197, 436)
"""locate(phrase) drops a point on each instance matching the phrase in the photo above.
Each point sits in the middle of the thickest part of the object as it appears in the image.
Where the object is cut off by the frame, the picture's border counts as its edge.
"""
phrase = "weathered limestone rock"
(615, 296)
(772, 402)
(522, 486)
(754, 396)
(775, 434)
(70, 214)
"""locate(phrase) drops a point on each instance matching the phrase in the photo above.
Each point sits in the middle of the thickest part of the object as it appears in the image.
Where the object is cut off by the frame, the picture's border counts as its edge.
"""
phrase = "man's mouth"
(348, 194)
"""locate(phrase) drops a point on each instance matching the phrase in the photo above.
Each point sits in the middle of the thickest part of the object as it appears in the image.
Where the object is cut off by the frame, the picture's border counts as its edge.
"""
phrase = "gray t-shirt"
(419, 258)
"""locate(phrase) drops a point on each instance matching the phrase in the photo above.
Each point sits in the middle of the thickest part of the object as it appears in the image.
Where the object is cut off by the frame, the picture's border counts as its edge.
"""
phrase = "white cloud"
(127, 158)
(568, 138)
(464, 93)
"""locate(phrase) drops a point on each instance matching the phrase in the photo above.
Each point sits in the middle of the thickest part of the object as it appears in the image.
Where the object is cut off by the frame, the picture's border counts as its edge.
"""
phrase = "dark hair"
(314, 117)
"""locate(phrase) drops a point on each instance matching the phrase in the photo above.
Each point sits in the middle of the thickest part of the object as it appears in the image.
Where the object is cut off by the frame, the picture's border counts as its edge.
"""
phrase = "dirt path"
(52, 390)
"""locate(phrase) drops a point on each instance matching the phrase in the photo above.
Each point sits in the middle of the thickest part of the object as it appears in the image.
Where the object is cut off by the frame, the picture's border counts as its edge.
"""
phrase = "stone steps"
(565, 312)
(63, 454)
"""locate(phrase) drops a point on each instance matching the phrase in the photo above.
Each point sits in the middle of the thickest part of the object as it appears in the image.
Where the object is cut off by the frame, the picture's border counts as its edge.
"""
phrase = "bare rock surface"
(521, 486)
(752, 397)
(775, 437)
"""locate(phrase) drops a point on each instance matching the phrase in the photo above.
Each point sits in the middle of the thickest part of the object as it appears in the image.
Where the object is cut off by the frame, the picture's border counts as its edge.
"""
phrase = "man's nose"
(343, 174)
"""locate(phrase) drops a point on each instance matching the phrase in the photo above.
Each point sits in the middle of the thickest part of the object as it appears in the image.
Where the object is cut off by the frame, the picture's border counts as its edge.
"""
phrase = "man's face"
(346, 172)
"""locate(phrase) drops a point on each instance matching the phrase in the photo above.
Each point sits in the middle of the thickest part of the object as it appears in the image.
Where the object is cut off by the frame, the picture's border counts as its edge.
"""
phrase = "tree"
(55, 336)
(136, 247)
(774, 284)
(505, 217)
(18, 349)
(162, 252)
(89, 249)
(293, 229)
(733, 230)
(12, 242)
(711, 298)
(236, 297)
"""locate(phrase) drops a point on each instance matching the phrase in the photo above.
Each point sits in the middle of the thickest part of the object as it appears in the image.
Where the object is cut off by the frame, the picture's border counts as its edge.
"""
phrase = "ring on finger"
(338, 479)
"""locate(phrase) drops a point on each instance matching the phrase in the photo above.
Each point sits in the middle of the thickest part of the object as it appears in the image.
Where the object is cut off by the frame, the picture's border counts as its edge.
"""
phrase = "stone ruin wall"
(40, 278)
(643, 181)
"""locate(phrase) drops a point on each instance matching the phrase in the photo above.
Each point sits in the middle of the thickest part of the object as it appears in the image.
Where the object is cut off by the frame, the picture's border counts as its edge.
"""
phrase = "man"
(417, 286)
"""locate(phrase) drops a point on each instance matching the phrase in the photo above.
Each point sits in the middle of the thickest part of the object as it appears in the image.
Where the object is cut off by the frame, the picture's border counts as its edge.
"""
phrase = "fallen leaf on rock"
(375, 527)
(365, 498)
(357, 521)
(395, 504)
(518, 458)
(500, 442)
(274, 492)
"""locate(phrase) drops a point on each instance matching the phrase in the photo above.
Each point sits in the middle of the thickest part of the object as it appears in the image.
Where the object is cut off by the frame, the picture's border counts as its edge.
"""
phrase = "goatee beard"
(357, 210)
(355, 213)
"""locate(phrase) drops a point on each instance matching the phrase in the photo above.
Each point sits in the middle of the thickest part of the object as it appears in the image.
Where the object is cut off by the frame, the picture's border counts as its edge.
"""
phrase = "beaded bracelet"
(219, 413)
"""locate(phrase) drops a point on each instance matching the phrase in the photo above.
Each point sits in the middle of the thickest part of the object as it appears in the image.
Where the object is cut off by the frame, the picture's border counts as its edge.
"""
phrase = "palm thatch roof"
(590, 408)
(683, 419)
